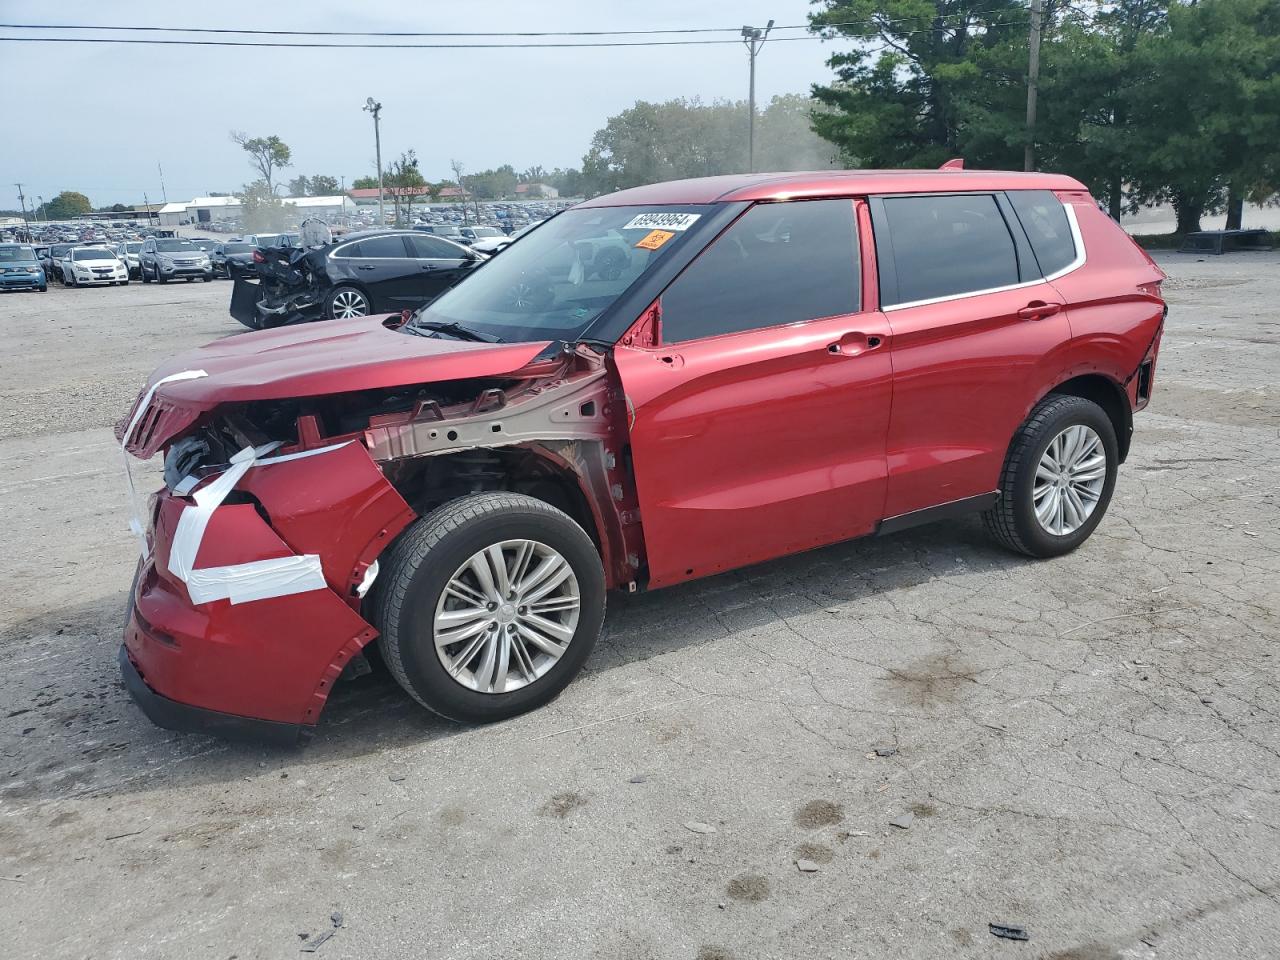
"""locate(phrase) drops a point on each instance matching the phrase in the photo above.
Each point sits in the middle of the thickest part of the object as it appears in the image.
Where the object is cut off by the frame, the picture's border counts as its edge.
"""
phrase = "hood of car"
(314, 359)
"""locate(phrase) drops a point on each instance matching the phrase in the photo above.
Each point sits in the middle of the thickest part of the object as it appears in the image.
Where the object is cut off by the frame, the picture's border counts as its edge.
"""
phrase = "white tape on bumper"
(237, 582)
(135, 522)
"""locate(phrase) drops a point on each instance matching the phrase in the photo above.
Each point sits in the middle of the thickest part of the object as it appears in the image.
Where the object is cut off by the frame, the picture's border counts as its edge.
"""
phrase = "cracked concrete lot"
(1089, 747)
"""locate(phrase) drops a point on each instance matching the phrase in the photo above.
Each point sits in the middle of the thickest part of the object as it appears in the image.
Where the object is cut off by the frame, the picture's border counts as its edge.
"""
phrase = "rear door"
(440, 264)
(383, 267)
(758, 421)
(977, 331)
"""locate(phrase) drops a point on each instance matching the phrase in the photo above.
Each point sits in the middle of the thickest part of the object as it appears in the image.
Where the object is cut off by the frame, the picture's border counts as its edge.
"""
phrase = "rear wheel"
(489, 606)
(342, 303)
(1058, 479)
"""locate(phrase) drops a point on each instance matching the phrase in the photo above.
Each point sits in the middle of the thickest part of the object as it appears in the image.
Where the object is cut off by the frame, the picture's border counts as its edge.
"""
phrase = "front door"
(441, 264)
(385, 269)
(758, 422)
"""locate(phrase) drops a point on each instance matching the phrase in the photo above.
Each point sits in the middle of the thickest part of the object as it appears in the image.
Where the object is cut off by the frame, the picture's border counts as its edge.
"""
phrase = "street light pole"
(375, 108)
(753, 38)
(23, 200)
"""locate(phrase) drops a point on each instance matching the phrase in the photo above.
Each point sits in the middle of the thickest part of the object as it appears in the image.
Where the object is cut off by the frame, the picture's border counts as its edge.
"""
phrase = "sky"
(102, 118)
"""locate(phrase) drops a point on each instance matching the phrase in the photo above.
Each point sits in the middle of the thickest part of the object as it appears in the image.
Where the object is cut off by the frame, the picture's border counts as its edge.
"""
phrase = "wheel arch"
(354, 285)
(1110, 395)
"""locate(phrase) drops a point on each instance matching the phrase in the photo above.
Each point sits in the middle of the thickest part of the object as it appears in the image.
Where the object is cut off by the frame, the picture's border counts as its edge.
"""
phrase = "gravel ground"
(1087, 747)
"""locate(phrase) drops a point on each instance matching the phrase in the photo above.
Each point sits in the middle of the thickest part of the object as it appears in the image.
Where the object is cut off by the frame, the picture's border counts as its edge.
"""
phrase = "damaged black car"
(379, 271)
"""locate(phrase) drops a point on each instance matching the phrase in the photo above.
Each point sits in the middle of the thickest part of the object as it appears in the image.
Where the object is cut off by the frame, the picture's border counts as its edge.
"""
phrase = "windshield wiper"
(451, 327)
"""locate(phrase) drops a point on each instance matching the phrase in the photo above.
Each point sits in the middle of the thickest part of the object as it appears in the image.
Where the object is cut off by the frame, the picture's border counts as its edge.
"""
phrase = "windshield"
(133, 247)
(10, 254)
(173, 246)
(237, 247)
(92, 254)
(564, 274)
(488, 232)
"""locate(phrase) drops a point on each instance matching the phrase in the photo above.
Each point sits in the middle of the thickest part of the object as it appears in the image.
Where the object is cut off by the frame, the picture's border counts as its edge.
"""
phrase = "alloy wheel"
(1069, 480)
(349, 303)
(507, 616)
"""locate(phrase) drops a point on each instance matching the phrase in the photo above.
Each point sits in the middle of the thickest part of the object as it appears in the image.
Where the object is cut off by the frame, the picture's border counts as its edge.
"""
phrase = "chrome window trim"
(1074, 265)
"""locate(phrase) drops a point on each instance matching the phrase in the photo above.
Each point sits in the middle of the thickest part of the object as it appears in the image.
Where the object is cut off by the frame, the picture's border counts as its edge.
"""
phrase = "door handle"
(852, 344)
(428, 266)
(1038, 310)
(364, 266)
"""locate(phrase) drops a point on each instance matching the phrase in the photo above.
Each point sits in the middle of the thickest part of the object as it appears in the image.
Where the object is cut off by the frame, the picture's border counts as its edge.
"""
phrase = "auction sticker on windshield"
(654, 239)
(662, 221)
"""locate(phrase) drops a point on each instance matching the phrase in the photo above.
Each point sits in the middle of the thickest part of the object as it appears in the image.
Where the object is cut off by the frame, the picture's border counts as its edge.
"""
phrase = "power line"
(443, 46)
(876, 22)
(422, 33)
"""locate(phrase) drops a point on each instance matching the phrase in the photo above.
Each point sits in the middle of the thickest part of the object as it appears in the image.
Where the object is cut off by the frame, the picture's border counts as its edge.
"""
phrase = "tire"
(143, 271)
(68, 281)
(44, 289)
(341, 301)
(124, 283)
(410, 593)
(1013, 521)
(159, 278)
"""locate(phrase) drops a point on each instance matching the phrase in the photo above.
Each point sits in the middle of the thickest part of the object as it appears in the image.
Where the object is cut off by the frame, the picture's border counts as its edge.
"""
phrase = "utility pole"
(375, 108)
(164, 195)
(753, 38)
(23, 200)
(1033, 77)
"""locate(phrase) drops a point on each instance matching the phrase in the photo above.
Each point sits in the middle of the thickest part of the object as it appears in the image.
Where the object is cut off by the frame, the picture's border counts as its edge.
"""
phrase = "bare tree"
(266, 154)
(458, 170)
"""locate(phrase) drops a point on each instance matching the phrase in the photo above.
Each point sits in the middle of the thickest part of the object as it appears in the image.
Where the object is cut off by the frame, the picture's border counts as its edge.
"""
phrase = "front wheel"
(1058, 478)
(489, 606)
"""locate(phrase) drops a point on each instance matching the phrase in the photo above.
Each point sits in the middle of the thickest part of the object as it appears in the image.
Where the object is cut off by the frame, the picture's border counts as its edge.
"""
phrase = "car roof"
(829, 183)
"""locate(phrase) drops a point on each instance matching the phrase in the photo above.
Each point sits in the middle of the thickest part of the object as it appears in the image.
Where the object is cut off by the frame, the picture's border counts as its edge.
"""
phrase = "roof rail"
(956, 164)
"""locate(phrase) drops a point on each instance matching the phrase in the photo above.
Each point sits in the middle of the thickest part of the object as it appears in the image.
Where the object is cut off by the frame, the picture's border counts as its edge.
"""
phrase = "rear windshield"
(10, 254)
(173, 246)
(92, 253)
(237, 247)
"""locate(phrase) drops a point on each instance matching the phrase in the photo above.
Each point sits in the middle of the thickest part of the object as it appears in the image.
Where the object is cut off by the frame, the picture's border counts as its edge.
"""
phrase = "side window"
(946, 245)
(348, 250)
(433, 248)
(778, 263)
(387, 247)
(1047, 228)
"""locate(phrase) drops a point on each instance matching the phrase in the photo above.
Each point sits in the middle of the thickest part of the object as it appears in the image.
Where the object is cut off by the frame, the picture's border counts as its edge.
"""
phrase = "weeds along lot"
(1089, 746)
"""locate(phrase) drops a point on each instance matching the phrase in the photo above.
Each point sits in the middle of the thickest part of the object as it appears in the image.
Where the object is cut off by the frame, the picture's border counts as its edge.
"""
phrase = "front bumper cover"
(260, 652)
(173, 715)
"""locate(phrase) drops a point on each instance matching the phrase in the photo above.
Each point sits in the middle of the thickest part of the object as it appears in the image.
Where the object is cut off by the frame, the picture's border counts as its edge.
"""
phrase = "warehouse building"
(209, 209)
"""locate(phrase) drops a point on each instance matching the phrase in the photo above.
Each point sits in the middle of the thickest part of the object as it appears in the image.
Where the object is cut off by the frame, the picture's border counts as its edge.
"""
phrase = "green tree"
(926, 80)
(68, 204)
(262, 209)
(299, 186)
(364, 183)
(785, 139)
(323, 185)
(492, 184)
(266, 154)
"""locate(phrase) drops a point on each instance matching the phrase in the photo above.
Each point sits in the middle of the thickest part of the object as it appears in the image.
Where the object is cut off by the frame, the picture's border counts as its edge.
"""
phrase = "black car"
(54, 267)
(380, 271)
(233, 259)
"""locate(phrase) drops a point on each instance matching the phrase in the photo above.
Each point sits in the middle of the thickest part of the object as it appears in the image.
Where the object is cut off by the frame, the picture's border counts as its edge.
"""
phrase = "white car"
(491, 245)
(85, 266)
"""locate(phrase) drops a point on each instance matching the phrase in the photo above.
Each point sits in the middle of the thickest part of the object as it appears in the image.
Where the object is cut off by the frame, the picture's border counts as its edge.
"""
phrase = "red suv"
(656, 385)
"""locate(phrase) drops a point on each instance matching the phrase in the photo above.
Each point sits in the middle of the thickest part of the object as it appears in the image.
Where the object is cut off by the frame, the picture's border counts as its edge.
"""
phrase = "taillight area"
(1151, 288)
(258, 257)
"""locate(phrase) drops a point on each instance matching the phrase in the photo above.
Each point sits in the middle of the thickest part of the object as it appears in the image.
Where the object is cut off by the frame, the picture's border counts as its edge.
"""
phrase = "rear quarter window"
(944, 246)
(1047, 227)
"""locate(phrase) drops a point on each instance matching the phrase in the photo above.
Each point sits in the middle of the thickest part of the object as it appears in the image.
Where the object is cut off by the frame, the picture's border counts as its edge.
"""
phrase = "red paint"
(272, 659)
(743, 447)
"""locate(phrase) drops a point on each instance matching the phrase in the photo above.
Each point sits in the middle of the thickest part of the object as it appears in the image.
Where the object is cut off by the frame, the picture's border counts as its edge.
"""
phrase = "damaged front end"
(282, 491)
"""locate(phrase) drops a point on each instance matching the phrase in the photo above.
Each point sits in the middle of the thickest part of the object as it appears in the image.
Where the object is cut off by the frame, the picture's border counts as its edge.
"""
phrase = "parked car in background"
(56, 252)
(381, 271)
(272, 239)
(782, 361)
(492, 245)
(448, 231)
(20, 268)
(84, 266)
(128, 252)
(169, 258)
(232, 259)
(471, 234)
